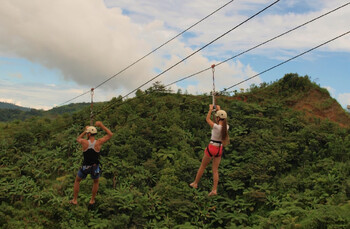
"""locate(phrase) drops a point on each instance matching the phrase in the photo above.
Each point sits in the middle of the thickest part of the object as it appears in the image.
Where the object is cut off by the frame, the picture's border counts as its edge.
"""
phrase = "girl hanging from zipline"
(219, 138)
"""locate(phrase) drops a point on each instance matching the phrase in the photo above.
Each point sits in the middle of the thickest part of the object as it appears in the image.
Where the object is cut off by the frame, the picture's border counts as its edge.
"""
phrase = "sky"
(52, 51)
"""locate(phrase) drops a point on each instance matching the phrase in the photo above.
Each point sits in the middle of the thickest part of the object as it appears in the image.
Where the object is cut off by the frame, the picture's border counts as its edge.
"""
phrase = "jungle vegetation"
(283, 168)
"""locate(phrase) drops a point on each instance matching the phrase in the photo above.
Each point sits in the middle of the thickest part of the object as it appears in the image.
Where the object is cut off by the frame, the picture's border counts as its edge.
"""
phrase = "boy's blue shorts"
(94, 175)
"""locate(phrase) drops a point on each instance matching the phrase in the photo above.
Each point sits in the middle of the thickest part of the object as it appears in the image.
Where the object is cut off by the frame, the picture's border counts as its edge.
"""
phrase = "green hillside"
(4, 105)
(287, 165)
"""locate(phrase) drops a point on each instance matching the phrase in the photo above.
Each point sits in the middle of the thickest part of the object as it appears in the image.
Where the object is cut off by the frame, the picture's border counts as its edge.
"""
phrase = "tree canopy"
(283, 169)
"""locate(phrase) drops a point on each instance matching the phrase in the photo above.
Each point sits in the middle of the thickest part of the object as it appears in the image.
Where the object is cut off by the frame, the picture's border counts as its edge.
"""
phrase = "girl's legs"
(216, 163)
(205, 161)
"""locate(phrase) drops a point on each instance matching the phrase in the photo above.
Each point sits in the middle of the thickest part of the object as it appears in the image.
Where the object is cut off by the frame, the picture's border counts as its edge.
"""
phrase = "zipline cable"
(154, 50)
(213, 92)
(282, 34)
(323, 15)
(269, 69)
(91, 107)
(222, 35)
(265, 42)
(286, 61)
(166, 42)
(203, 47)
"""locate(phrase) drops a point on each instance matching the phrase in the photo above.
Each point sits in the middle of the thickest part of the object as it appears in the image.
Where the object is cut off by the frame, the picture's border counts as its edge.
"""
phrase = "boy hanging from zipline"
(91, 153)
(91, 163)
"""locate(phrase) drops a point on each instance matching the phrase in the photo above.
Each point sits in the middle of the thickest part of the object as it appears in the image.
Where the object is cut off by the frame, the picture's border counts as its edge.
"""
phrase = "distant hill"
(10, 112)
(70, 108)
(294, 91)
(4, 105)
(301, 94)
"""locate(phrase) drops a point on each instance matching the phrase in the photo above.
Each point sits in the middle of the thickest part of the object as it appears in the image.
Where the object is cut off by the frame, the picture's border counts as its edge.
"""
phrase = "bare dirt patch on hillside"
(320, 105)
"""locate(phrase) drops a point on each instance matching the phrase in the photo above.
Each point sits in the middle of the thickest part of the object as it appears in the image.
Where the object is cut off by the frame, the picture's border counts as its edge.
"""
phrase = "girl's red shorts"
(213, 151)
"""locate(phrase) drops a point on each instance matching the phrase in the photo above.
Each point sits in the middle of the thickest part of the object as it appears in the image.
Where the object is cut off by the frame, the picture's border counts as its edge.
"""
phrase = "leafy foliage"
(281, 170)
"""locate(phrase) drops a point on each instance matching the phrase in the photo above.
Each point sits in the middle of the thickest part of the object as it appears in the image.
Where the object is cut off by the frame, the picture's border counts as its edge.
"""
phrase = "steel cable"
(154, 50)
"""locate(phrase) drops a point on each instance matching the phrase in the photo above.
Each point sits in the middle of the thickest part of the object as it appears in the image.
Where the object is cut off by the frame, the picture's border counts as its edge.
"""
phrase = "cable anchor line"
(203, 47)
(91, 106)
(290, 59)
(200, 49)
(269, 69)
(213, 92)
(263, 43)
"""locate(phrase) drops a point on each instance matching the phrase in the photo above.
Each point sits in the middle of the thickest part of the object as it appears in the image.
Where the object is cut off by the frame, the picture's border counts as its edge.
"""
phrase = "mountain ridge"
(6, 105)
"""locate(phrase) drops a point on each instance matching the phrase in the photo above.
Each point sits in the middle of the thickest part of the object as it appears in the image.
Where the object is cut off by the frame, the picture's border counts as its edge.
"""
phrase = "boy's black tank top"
(90, 155)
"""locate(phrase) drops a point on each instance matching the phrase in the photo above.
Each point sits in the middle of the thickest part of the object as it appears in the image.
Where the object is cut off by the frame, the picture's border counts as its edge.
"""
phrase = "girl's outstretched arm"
(209, 121)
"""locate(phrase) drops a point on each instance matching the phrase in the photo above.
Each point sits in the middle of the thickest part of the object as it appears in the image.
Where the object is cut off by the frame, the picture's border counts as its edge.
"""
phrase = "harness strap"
(209, 151)
(93, 169)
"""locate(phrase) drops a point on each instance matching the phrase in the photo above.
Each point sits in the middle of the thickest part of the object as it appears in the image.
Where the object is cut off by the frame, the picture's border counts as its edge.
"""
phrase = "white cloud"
(89, 42)
(270, 23)
(83, 39)
(331, 91)
(344, 99)
(6, 100)
(38, 96)
(47, 96)
(16, 75)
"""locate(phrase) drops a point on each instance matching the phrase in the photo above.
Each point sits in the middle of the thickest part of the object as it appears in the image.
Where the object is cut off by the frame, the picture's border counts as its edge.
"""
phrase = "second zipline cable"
(154, 50)
(203, 47)
(269, 69)
(301, 54)
(263, 43)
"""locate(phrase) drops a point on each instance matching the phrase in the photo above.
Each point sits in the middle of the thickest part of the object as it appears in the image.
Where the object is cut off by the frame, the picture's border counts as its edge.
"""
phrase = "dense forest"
(287, 165)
